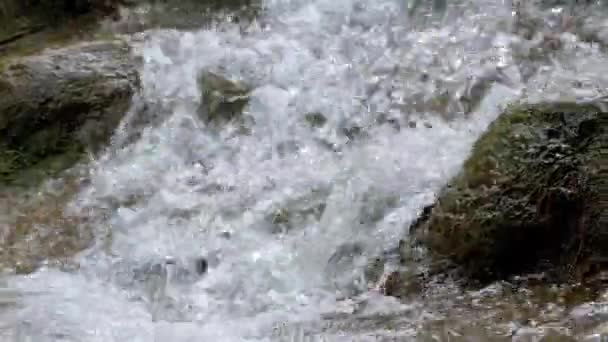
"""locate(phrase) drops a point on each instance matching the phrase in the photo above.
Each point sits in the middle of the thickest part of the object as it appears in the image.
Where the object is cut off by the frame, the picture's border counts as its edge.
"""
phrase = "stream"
(288, 217)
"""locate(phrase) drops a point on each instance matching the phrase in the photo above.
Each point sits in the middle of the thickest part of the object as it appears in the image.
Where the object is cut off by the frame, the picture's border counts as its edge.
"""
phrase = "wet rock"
(201, 266)
(376, 206)
(401, 285)
(58, 104)
(40, 229)
(591, 314)
(392, 121)
(287, 148)
(346, 250)
(154, 276)
(297, 212)
(140, 15)
(226, 235)
(222, 100)
(353, 269)
(391, 285)
(344, 269)
(592, 29)
(531, 197)
(79, 7)
(187, 271)
(422, 9)
(374, 271)
(599, 331)
(55, 10)
(315, 119)
(354, 132)
(468, 97)
(460, 95)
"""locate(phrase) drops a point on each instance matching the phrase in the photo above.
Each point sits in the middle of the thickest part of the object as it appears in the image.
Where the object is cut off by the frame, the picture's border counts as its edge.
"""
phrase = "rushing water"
(182, 190)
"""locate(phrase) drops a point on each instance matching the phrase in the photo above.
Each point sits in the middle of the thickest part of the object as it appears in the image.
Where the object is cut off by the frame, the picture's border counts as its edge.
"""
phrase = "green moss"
(26, 170)
(524, 195)
(9, 163)
(42, 154)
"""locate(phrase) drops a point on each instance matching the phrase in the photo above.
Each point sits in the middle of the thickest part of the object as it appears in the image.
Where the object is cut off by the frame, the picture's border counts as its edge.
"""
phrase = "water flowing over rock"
(199, 230)
(49, 20)
(57, 104)
(529, 197)
(140, 15)
(222, 100)
(43, 230)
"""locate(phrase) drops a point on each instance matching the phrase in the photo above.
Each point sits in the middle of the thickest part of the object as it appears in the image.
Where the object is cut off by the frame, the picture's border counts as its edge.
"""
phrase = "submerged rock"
(315, 119)
(531, 197)
(222, 100)
(344, 269)
(58, 104)
(153, 277)
(298, 212)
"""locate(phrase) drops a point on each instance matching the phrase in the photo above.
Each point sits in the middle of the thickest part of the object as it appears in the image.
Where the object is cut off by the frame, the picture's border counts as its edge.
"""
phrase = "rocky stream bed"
(335, 170)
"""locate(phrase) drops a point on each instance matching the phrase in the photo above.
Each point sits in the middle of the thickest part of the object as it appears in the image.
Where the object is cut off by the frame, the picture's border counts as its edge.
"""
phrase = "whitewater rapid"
(184, 191)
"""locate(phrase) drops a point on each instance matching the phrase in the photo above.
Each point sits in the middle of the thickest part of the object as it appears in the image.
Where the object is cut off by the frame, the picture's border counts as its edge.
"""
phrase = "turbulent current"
(178, 191)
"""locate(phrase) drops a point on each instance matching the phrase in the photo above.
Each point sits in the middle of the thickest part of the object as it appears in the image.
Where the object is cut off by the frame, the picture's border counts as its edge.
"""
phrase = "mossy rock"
(59, 104)
(531, 197)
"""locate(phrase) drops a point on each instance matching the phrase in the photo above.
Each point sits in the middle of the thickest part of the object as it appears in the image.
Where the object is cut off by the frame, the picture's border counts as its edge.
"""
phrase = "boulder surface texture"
(60, 103)
(531, 197)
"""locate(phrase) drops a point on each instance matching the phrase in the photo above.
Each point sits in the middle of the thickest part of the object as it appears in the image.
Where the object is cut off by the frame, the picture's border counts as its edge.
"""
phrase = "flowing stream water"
(181, 190)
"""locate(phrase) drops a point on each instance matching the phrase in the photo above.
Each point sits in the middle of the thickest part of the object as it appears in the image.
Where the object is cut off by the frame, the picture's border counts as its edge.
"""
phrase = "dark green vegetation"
(530, 198)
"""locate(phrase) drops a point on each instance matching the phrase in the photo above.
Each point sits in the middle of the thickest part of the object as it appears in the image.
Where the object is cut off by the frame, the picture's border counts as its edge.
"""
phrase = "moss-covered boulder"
(531, 197)
(60, 103)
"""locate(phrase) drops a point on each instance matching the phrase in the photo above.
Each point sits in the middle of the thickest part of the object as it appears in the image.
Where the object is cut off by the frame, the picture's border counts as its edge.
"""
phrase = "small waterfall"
(180, 190)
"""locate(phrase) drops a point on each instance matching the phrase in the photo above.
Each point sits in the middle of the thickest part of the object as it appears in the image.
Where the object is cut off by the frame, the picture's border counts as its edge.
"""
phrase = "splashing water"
(182, 191)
